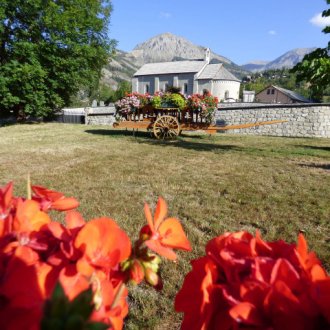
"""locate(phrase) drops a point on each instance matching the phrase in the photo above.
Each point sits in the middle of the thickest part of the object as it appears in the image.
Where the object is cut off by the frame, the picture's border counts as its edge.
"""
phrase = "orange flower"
(104, 246)
(244, 282)
(110, 304)
(50, 199)
(72, 281)
(163, 235)
(28, 217)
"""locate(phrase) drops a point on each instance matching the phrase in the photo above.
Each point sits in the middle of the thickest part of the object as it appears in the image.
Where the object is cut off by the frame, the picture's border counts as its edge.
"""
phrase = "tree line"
(51, 50)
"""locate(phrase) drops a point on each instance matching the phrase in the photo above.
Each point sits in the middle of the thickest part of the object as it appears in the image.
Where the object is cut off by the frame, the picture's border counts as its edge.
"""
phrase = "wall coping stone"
(262, 106)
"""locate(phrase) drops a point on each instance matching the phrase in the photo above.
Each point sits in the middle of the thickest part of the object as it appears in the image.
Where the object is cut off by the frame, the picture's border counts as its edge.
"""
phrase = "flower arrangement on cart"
(201, 106)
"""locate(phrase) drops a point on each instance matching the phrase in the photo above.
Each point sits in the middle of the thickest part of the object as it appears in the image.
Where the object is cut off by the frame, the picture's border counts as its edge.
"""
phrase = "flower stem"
(118, 295)
(29, 193)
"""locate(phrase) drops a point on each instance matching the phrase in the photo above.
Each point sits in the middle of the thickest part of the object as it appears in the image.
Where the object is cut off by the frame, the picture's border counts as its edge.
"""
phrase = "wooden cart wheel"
(166, 127)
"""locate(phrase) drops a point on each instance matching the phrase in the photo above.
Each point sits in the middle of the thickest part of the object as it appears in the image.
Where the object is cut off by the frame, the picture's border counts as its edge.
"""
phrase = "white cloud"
(165, 15)
(320, 21)
(272, 32)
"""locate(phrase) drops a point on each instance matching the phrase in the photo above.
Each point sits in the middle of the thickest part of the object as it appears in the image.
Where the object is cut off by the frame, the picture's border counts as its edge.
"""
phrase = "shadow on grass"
(325, 167)
(109, 132)
(189, 142)
(314, 147)
(193, 145)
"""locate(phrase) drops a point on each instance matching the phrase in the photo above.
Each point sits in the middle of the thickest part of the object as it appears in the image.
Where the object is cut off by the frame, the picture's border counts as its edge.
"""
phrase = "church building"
(191, 77)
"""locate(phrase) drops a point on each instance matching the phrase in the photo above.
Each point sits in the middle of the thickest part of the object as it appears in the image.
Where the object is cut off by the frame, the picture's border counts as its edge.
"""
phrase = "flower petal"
(29, 217)
(246, 313)
(172, 235)
(74, 219)
(148, 215)
(52, 195)
(65, 204)
(103, 242)
(160, 212)
(157, 247)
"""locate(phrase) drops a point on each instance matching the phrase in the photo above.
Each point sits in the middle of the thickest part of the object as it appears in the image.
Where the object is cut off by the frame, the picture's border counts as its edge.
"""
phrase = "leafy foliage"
(60, 313)
(124, 87)
(315, 67)
(49, 50)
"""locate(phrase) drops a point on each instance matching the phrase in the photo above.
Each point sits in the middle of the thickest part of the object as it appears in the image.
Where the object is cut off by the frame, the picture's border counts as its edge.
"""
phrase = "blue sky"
(240, 30)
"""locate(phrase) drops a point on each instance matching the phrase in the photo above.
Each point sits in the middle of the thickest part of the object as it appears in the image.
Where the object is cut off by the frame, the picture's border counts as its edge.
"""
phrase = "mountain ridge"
(167, 47)
(287, 60)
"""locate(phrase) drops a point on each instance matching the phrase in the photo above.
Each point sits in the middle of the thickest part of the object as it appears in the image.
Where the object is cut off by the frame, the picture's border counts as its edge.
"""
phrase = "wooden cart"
(167, 123)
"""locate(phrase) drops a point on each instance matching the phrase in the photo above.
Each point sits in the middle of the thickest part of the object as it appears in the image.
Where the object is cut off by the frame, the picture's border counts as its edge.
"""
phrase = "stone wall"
(303, 120)
(100, 115)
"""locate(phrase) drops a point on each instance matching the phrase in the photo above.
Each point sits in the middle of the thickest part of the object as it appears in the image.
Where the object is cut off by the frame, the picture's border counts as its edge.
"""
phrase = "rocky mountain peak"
(167, 47)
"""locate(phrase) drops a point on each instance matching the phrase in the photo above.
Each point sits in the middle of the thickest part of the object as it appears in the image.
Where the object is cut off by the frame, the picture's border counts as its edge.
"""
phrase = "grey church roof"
(210, 71)
(293, 95)
(170, 67)
(216, 72)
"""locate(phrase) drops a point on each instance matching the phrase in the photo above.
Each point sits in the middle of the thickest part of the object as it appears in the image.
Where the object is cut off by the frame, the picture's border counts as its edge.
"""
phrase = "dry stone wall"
(303, 120)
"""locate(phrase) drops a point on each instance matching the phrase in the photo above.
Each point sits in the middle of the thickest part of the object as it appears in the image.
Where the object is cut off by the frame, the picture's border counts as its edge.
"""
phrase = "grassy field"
(212, 184)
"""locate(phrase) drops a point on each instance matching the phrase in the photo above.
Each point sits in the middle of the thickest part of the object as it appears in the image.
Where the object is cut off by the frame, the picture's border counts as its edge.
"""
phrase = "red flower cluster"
(205, 105)
(244, 282)
(37, 253)
(202, 102)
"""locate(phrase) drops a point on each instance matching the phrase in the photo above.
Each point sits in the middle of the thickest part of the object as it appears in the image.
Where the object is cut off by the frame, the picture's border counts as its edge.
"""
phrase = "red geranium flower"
(244, 282)
(164, 235)
(51, 199)
(103, 244)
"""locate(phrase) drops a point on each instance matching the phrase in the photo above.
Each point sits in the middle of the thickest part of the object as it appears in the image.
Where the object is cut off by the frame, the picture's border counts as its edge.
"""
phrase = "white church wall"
(226, 89)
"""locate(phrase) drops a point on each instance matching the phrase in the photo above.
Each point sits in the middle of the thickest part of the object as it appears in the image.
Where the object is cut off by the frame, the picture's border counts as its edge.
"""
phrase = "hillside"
(120, 68)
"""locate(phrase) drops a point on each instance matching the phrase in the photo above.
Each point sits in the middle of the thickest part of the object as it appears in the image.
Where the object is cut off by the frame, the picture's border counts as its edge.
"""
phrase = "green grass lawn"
(212, 184)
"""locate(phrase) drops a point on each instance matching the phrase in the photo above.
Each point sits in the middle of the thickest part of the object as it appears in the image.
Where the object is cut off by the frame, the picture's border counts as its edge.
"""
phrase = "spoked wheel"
(166, 127)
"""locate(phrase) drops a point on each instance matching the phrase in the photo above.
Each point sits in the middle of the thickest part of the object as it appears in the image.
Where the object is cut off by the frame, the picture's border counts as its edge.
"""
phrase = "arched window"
(226, 95)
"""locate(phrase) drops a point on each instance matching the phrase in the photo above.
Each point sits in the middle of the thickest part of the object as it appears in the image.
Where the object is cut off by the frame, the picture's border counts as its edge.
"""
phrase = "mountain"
(120, 67)
(168, 47)
(254, 66)
(287, 60)
(164, 47)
